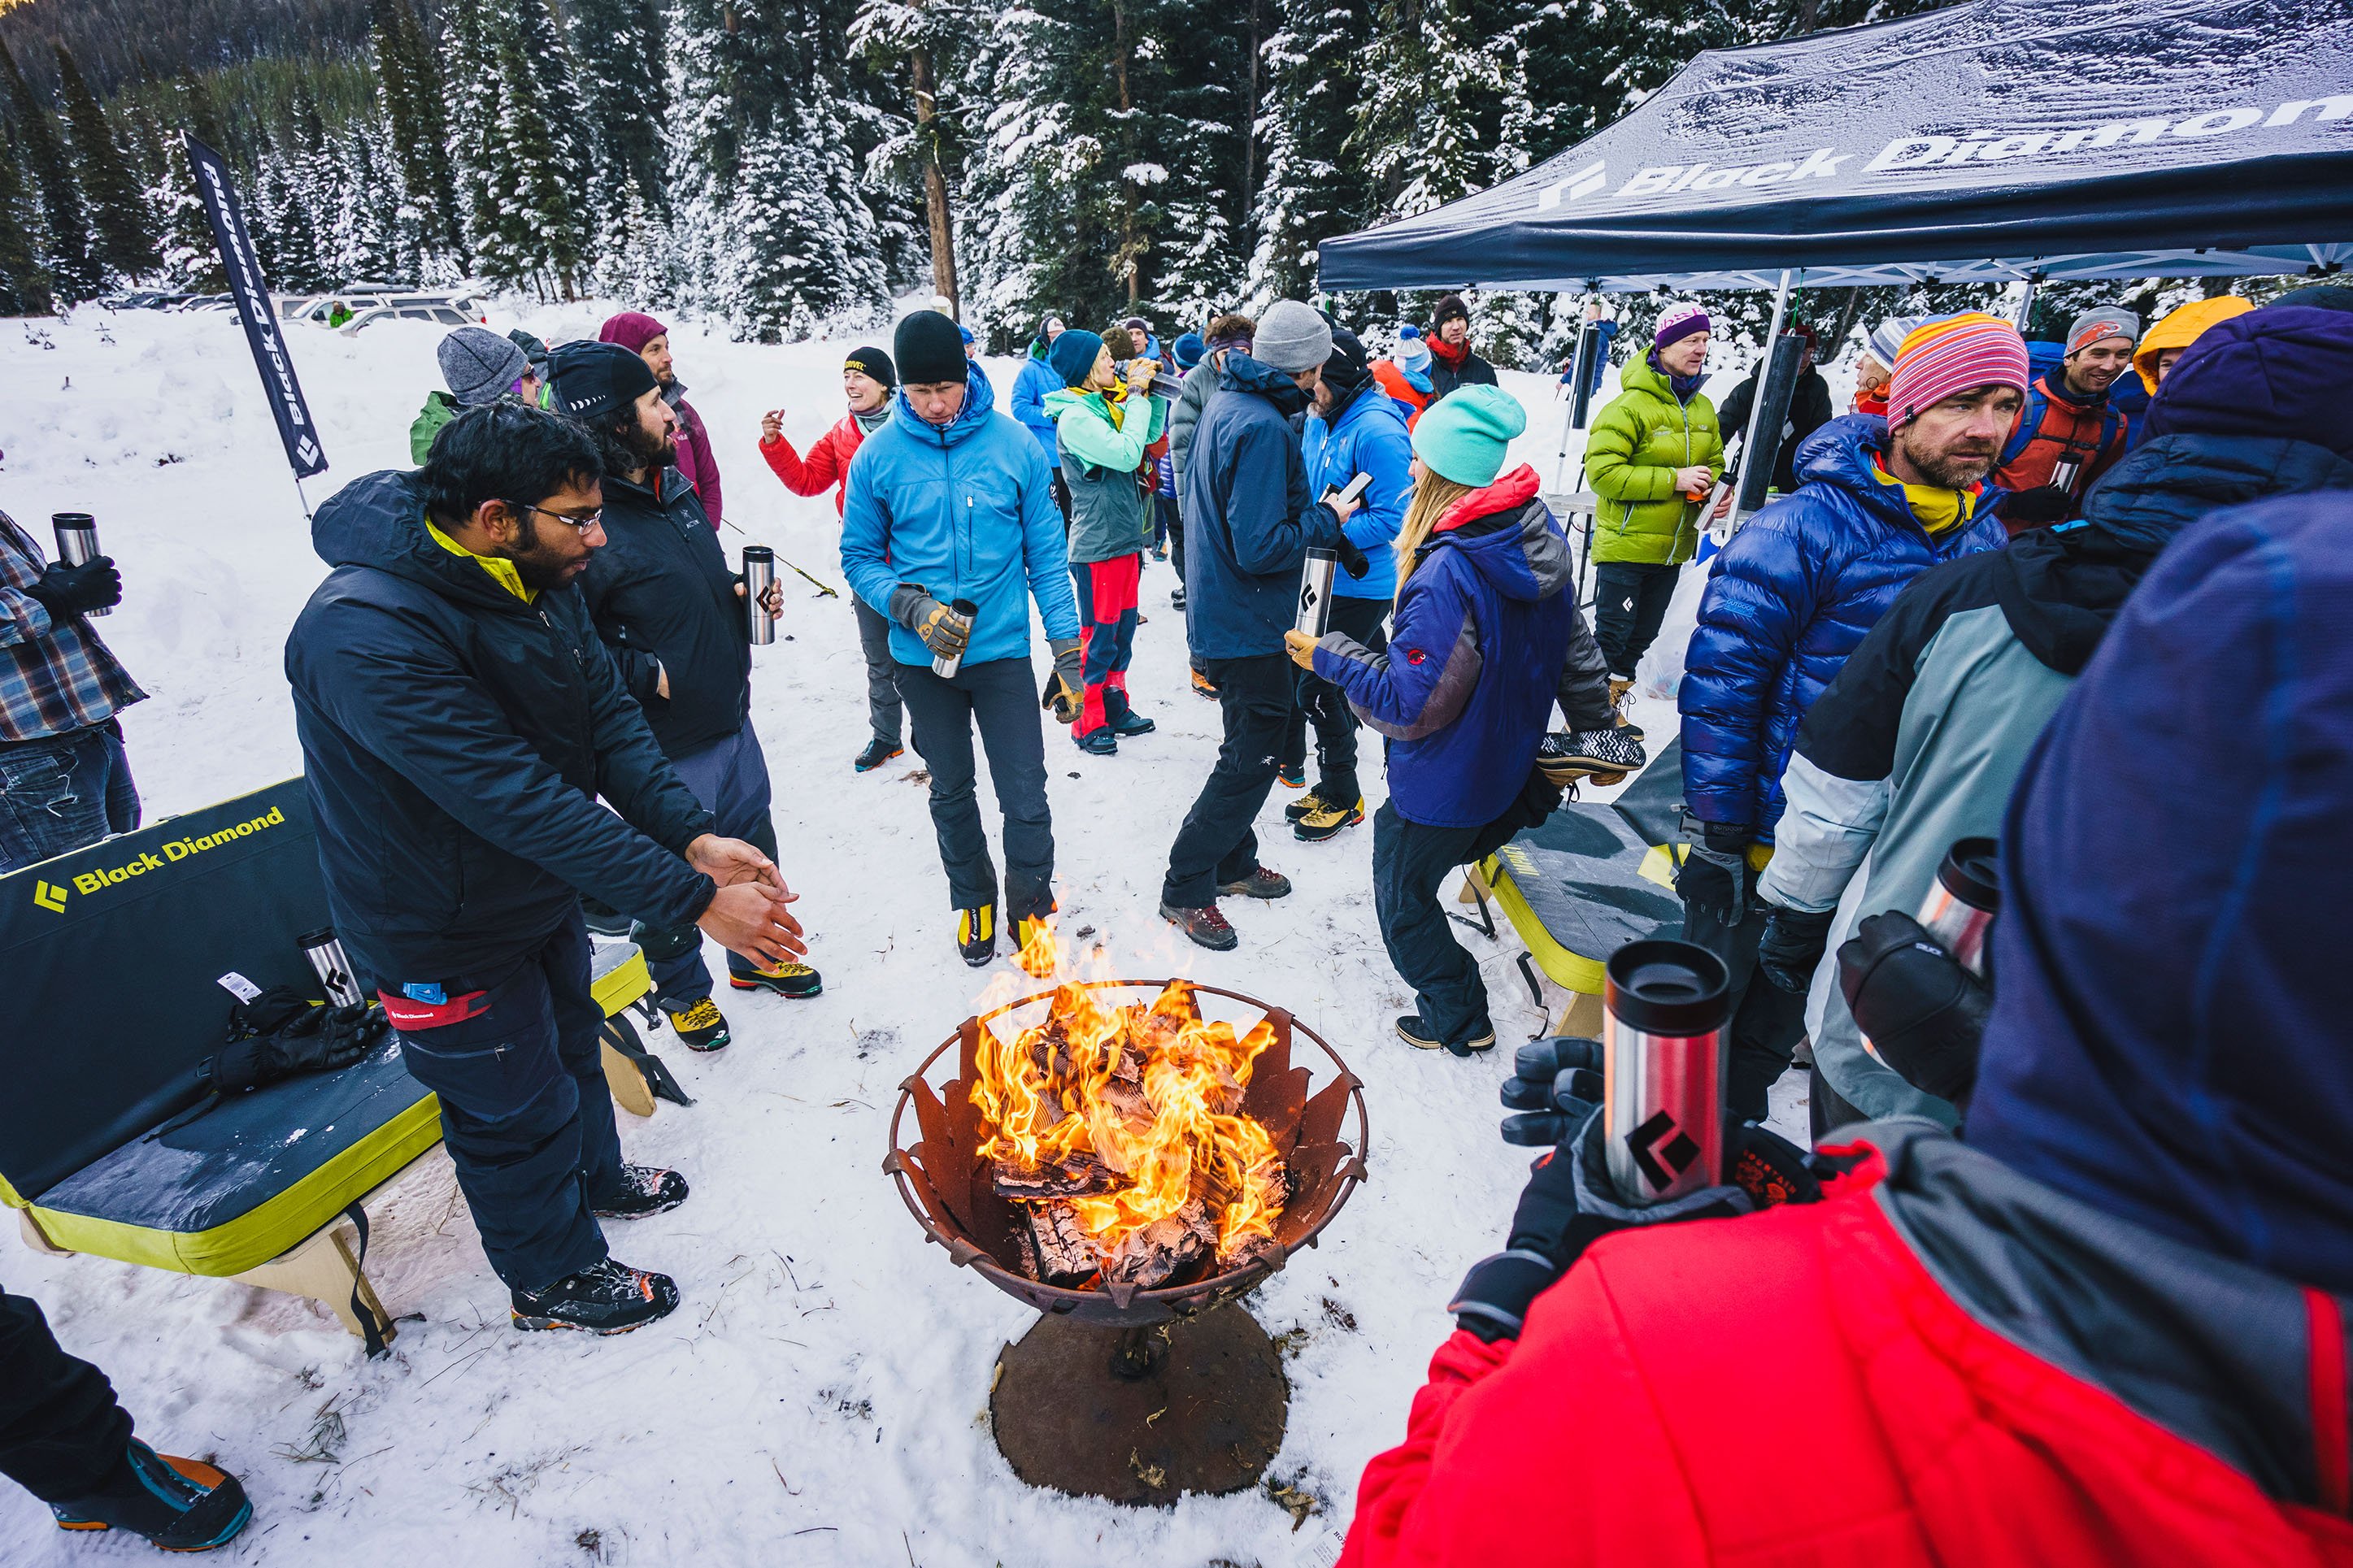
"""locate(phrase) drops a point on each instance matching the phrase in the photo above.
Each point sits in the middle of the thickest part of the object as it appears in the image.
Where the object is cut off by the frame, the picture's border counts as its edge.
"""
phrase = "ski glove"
(1555, 1085)
(1919, 1010)
(318, 1039)
(1717, 880)
(2038, 508)
(1791, 948)
(945, 632)
(65, 590)
(1066, 683)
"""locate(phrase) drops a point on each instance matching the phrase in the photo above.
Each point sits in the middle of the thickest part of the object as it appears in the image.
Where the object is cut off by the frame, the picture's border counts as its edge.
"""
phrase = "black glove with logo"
(1716, 876)
(1920, 1011)
(65, 590)
(1791, 947)
(315, 1039)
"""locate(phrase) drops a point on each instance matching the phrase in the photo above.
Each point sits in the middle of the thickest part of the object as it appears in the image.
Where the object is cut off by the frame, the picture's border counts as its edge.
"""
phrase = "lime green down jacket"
(1637, 443)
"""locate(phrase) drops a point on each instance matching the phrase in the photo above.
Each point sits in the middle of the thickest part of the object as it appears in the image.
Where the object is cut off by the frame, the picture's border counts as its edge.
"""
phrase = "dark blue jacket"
(1250, 518)
(662, 597)
(1787, 599)
(2168, 1038)
(455, 741)
(1484, 628)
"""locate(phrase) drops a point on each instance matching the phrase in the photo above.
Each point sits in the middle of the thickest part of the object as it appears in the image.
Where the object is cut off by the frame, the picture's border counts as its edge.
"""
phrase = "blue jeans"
(730, 777)
(62, 792)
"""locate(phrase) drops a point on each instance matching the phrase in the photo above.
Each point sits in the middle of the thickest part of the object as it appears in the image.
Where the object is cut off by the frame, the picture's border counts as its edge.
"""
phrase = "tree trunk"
(1833, 340)
(1131, 248)
(1249, 120)
(935, 182)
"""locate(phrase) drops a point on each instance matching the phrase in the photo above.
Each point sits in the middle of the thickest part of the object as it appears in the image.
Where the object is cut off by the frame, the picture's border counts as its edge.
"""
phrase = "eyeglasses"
(583, 521)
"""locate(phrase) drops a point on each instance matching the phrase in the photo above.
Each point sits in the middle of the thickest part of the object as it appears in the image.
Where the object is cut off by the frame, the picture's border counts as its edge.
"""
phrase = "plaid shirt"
(56, 676)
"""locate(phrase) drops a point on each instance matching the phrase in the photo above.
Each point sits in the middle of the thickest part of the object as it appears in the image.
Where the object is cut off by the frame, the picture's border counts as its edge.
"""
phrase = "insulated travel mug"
(1959, 908)
(759, 576)
(943, 665)
(77, 541)
(1664, 1049)
(1315, 591)
(325, 951)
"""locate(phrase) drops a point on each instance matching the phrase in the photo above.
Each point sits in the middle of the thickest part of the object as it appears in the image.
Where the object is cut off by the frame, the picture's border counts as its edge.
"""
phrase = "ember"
(1120, 1132)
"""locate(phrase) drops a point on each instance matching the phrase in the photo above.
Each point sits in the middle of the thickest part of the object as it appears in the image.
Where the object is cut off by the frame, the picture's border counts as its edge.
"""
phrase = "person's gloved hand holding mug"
(1919, 1010)
(63, 590)
(1066, 683)
(941, 630)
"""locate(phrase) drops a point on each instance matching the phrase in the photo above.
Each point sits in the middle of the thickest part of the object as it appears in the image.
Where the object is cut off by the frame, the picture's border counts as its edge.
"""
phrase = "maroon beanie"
(632, 330)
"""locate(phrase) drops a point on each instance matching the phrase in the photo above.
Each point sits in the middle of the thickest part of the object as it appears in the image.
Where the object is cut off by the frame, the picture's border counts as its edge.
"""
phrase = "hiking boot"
(1312, 800)
(1098, 743)
(1207, 926)
(644, 1190)
(797, 981)
(1204, 687)
(976, 935)
(1121, 717)
(1177, 597)
(180, 1505)
(1034, 949)
(1422, 1037)
(1621, 703)
(700, 1026)
(1261, 883)
(1326, 821)
(1290, 775)
(607, 1297)
(878, 752)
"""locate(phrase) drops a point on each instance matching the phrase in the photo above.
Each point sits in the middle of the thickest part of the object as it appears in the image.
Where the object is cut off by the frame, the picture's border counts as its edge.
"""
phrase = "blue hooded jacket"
(966, 512)
(1787, 599)
(1475, 659)
(2168, 1038)
(1370, 438)
(1034, 379)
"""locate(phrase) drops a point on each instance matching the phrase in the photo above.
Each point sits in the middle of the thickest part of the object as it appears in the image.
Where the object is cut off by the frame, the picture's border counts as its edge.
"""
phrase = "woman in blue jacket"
(1486, 638)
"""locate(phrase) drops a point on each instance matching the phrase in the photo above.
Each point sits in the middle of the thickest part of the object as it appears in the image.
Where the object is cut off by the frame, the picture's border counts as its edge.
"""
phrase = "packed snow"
(821, 1395)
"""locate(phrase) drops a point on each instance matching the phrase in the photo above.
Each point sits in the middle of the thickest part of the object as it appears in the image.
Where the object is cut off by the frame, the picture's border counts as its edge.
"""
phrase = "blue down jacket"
(1369, 438)
(1475, 659)
(1787, 599)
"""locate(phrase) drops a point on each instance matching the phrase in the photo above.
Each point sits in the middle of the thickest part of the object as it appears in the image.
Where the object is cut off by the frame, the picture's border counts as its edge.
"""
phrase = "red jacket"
(827, 465)
(2051, 426)
(1394, 383)
(1794, 1387)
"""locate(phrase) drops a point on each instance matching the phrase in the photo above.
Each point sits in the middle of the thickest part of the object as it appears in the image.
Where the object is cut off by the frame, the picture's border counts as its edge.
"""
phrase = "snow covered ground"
(821, 1395)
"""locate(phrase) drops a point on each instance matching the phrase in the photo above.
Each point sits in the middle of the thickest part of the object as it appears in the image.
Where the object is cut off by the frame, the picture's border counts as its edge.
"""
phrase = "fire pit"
(1130, 1170)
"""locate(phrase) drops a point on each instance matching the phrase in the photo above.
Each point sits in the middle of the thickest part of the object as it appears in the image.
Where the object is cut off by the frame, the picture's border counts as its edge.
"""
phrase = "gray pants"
(882, 709)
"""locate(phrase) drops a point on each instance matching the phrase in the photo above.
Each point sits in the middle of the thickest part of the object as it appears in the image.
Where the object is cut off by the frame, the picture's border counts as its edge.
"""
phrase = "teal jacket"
(1109, 515)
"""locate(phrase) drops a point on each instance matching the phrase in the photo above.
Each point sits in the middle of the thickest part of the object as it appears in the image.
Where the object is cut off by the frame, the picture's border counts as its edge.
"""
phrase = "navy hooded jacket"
(2168, 1039)
(455, 740)
(1787, 599)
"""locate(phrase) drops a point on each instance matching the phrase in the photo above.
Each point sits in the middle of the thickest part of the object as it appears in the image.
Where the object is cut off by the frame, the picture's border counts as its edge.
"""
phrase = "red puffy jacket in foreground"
(1799, 1387)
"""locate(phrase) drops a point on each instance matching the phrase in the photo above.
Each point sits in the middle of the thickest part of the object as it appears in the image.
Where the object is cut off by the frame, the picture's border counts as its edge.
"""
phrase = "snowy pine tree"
(24, 286)
(409, 95)
(619, 47)
(1313, 188)
(65, 251)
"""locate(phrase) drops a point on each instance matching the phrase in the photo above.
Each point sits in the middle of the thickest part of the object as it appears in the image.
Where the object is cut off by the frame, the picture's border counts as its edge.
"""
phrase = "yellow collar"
(502, 572)
(1938, 508)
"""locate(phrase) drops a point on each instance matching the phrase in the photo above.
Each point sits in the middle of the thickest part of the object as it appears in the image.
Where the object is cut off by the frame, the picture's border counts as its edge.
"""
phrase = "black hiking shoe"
(878, 752)
(181, 1505)
(1103, 743)
(1261, 883)
(607, 1297)
(1422, 1037)
(976, 935)
(644, 1190)
(1120, 714)
(1326, 821)
(1207, 926)
(700, 1026)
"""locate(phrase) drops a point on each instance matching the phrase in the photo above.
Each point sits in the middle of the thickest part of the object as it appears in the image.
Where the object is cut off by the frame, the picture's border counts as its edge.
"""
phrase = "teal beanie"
(1465, 435)
(1074, 355)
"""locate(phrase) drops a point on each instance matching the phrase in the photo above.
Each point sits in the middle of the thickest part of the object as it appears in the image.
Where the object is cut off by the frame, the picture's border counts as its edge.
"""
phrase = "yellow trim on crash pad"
(1572, 970)
(1660, 865)
(623, 984)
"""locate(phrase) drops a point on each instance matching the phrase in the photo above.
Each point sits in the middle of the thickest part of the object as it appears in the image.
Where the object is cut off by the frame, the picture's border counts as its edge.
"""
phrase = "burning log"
(1066, 1254)
(1248, 1251)
(1151, 1256)
(1079, 1176)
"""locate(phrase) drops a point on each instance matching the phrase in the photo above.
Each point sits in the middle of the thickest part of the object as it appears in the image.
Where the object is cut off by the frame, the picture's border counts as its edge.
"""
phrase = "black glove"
(1556, 1085)
(319, 1040)
(1066, 683)
(945, 632)
(2038, 508)
(1716, 876)
(1920, 1012)
(1352, 560)
(65, 590)
(1792, 946)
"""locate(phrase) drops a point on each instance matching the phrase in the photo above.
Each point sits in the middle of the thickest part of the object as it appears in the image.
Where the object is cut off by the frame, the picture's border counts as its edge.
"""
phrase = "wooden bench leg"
(324, 1269)
(36, 1238)
(1582, 1018)
(627, 1081)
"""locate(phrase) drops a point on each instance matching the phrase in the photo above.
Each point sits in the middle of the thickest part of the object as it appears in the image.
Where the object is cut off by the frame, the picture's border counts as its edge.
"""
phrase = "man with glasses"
(671, 612)
(460, 724)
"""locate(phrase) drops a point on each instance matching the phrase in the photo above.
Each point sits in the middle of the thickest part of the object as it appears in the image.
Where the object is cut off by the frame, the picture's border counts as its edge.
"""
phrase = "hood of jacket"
(1508, 536)
(1845, 452)
(1638, 374)
(2061, 588)
(979, 403)
(1243, 374)
(2166, 1036)
(2277, 371)
(2179, 328)
(378, 520)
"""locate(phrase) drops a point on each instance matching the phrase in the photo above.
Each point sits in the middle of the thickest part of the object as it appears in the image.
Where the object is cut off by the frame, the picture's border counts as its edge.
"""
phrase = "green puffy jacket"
(1638, 442)
(439, 410)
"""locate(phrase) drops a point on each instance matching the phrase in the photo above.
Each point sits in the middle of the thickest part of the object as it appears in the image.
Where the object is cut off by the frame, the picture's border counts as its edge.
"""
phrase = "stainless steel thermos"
(1961, 903)
(77, 541)
(325, 951)
(1315, 591)
(759, 576)
(1664, 1046)
(944, 666)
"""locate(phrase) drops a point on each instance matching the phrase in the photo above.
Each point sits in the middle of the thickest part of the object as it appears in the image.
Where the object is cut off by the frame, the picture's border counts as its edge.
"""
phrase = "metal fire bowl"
(945, 1182)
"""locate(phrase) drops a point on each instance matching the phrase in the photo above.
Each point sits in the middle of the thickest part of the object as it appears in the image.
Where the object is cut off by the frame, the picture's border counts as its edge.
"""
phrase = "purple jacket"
(695, 458)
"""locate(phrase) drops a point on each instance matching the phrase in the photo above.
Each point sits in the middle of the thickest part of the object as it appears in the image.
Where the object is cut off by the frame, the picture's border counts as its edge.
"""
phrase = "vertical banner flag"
(295, 427)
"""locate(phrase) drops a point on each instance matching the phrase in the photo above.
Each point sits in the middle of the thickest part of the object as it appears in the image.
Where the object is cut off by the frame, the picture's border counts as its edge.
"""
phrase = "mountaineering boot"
(1034, 949)
(1313, 801)
(1099, 742)
(700, 1026)
(605, 1298)
(1177, 597)
(1122, 716)
(878, 752)
(976, 935)
(1326, 821)
(1621, 703)
(1204, 687)
(181, 1505)
(1207, 926)
(1290, 775)
(797, 981)
(1422, 1037)
(644, 1190)
(1261, 883)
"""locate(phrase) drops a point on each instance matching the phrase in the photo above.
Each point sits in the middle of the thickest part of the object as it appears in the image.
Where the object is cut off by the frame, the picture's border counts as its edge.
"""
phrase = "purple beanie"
(1680, 321)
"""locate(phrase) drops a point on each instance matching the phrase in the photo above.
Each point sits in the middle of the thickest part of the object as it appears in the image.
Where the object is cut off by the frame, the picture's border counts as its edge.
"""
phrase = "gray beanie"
(479, 366)
(2099, 325)
(1292, 337)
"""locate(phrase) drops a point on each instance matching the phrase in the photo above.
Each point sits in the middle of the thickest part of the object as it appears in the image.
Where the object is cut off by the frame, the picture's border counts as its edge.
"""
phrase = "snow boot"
(1207, 926)
(1326, 821)
(1621, 699)
(877, 752)
(700, 1026)
(1177, 597)
(1422, 1037)
(1604, 756)
(976, 935)
(1099, 742)
(1122, 716)
(797, 981)
(1204, 687)
(644, 1190)
(1034, 950)
(1290, 775)
(1261, 883)
(1313, 801)
(180, 1505)
(607, 1297)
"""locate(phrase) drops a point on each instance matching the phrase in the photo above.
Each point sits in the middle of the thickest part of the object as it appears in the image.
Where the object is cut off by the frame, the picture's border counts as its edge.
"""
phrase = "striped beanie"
(1677, 323)
(1950, 355)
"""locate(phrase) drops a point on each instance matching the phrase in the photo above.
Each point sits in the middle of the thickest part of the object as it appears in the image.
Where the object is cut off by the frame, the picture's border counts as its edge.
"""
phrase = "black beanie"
(873, 361)
(1449, 307)
(1347, 369)
(929, 350)
(594, 382)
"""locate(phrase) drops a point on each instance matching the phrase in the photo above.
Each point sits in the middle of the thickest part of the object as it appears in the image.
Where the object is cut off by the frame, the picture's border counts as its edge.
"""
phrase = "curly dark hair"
(506, 451)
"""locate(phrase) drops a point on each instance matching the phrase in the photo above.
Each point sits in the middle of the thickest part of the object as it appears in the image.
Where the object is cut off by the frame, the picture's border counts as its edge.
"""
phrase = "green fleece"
(1638, 442)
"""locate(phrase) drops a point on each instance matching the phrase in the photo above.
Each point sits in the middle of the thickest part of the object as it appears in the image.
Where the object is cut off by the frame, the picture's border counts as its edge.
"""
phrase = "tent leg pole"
(1756, 407)
(2026, 305)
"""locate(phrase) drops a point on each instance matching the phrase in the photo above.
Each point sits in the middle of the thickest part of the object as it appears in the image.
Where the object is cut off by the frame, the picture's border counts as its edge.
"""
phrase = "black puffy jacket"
(455, 740)
(663, 598)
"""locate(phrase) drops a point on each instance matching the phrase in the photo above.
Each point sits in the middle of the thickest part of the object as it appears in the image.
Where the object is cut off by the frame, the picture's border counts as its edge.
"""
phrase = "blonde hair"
(1432, 495)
